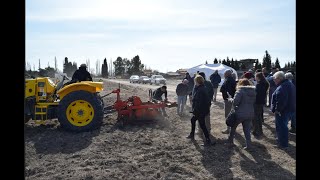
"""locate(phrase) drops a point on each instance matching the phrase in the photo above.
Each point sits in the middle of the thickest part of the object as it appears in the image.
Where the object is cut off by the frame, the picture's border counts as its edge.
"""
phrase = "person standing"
(209, 89)
(190, 87)
(182, 92)
(243, 103)
(228, 89)
(292, 115)
(215, 79)
(200, 108)
(282, 104)
(273, 86)
(261, 89)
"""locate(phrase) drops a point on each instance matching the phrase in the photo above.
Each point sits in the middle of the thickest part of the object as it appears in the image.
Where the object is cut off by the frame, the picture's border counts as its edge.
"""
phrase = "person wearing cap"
(81, 74)
(182, 92)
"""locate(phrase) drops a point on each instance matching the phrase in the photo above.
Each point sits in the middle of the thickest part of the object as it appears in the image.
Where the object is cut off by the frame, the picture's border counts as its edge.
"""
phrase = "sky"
(166, 34)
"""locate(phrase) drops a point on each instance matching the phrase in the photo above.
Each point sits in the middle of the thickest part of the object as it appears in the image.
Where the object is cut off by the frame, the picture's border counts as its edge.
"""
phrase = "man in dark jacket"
(182, 92)
(200, 108)
(228, 89)
(81, 74)
(157, 95)
(215, 79)
(283, 103)
(210, 91)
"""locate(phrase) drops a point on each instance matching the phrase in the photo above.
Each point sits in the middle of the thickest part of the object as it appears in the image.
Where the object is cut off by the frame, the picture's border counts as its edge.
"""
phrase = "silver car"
(134, 79)
(158, 79)
(144, 80)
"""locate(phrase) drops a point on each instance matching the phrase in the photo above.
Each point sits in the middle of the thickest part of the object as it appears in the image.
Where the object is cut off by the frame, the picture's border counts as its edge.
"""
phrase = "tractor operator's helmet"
(83, 66)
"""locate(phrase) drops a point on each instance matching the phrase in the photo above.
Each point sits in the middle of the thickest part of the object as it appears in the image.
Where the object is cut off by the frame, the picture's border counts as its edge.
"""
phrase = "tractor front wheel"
(80, 111)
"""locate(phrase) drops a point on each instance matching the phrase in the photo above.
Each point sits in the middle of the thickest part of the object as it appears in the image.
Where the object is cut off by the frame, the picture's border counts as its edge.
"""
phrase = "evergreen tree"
(104, 69)
(206, 62)
(119, 66)
(236, 65)
(277, 64)
(267, 61)
(219, 61)
(228, 62)
(215, 61)
(224, 62)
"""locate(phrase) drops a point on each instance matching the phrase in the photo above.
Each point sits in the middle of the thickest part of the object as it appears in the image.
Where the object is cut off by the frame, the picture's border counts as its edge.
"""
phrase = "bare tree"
(88, 63)
(97, 67)
(28, 67)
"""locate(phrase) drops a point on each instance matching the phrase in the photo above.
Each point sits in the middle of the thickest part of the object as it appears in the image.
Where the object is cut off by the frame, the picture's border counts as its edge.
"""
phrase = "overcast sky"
(166, 34)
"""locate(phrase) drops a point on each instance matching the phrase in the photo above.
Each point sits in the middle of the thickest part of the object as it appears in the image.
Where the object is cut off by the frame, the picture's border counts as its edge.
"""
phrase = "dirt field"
(157, 150)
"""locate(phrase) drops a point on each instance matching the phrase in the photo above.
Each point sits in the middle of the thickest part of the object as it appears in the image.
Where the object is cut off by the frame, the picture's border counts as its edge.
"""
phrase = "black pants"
(257, 121)
(201, 119)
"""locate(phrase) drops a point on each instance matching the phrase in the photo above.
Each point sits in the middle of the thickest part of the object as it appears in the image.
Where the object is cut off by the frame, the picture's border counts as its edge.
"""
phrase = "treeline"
(121, 67)
(266, 62)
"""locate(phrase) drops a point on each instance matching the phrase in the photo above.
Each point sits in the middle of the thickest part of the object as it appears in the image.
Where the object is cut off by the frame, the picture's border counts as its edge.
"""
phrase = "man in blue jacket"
(283, 102)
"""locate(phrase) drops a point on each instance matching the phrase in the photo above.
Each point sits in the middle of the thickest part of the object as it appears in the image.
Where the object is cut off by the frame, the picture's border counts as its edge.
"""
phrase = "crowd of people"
(246, 96)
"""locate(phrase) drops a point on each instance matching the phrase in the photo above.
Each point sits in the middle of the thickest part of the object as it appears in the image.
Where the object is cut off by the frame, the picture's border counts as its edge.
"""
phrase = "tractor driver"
(81, 74)
(157, 95)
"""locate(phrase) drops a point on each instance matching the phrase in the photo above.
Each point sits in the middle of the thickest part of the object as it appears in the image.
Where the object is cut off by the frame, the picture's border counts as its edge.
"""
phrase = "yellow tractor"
(78, 106)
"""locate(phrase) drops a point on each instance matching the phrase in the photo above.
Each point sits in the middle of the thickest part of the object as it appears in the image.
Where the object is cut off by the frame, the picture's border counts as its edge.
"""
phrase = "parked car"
(144, 79)
(157, 79)
(134, 79)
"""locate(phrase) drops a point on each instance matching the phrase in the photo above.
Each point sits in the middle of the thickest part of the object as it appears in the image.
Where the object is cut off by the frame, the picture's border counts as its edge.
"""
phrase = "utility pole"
(55, 64)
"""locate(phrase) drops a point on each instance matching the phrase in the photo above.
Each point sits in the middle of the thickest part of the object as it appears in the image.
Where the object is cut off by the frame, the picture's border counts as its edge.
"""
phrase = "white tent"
(208, 69)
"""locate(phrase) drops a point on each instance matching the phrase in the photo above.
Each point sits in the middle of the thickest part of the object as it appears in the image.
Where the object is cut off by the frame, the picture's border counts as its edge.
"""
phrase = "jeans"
(246, 125)
(215, 90)
(292, 117)
(282, 129)
(257, 121)
(181, 103)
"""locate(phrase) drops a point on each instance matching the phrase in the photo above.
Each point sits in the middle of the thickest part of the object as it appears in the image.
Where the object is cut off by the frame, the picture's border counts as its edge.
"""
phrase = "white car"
(134, 79)
(157, 79)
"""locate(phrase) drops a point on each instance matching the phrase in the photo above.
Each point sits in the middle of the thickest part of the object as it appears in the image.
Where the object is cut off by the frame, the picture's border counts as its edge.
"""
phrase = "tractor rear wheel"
(80, 111)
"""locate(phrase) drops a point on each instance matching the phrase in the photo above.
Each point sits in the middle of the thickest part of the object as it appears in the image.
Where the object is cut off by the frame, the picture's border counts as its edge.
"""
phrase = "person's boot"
(292, 130)
(248, 146)
(207, 142)
(191, 136)
(227, 131)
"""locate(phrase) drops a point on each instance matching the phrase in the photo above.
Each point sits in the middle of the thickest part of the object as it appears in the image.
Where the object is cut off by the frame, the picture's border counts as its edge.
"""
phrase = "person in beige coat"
(243, 103)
